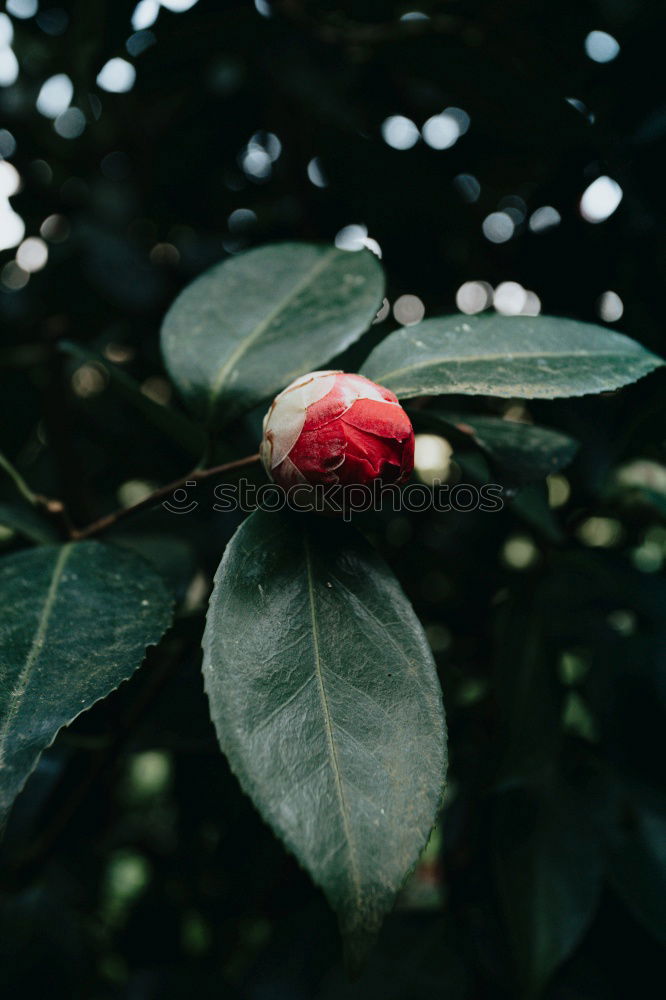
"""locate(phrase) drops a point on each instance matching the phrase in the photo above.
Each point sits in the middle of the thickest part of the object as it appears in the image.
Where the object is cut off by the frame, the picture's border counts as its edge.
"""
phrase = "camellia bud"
(331, 427)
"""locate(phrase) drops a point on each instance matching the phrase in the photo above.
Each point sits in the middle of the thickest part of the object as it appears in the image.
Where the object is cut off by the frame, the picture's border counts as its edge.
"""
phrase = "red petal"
(371, 456)
(386, 420)
(329, 407)
(356, 470)
(319, 453)
(407, 465)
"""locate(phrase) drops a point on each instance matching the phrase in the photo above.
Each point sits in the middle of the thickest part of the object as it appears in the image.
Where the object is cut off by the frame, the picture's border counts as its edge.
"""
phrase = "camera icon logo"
(179, 502)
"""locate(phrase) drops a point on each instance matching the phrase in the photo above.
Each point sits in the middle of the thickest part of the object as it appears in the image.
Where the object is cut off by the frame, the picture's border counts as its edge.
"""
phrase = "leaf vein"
(23, 679)
(280, 708)
(245, 344)
(329, 732)
(508, 356)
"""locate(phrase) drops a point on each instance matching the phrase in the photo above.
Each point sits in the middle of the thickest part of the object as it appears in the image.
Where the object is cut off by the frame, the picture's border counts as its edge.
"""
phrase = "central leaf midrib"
(506, 356)
(261, 327)
(20, 687)
(328, 726)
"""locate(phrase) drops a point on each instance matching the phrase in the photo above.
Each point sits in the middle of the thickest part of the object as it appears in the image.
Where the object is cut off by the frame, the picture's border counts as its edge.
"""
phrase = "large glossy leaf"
(247, 327)
(325, 699)
(76, 621)
(521, 451)
(529, 357)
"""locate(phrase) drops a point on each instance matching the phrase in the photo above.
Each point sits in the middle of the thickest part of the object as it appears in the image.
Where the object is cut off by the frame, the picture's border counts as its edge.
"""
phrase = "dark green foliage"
(325, 700)
(133, 864)
(530, 358)
(77, 619)
(249, 326)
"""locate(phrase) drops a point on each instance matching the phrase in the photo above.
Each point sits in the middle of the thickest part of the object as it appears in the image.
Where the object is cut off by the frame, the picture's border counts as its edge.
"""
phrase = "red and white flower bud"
(331, 427)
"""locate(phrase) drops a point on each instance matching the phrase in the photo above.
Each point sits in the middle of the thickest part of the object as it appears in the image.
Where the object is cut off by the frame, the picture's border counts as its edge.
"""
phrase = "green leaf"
(173, 424)
(513, 356)
(76, 621)
(549, 864)
(27, 521)
(246, 328)
(325, 699)
(522, 452)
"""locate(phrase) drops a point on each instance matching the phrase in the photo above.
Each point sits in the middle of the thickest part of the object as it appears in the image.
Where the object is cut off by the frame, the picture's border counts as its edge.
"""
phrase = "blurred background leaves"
(133, 866)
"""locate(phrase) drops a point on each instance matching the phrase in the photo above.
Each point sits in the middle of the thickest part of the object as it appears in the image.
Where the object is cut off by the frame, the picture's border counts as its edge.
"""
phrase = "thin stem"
(19, 481)
(158, 495)
(54, 508)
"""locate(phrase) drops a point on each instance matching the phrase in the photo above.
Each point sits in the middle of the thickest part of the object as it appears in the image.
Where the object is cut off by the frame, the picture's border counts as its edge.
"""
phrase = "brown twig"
(102, 523)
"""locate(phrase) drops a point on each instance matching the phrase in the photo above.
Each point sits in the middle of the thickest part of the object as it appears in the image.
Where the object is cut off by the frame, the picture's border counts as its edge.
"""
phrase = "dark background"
(133, 866)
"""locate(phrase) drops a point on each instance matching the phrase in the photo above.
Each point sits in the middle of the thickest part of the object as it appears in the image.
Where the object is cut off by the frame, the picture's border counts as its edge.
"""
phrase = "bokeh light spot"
(519, 552)
(601, 47)
(559, 490)
(14, 277)
(610, 307)
(316, 174)
(32, 254)
(7, 143)
(12, 226)
(509, 298)
(157, 388)
(241, 219)
(22, 9)
(256, 162)
(600, 199)
(441, 131)
(139, 42)
(55, 228)
(9, 67)
(474, 296)
(432, 458)
(178, 6)
(116, 76)
(544, 218)
(10, 179)
(532, 304)
(55, 95)
(498, 227)
(134, 491)
(70, 124)
(149, 772)
(383, 312)
(6, 31)
(351, 237)
(600, 532)
(399, 132)
(408, 309)
(89, 380)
